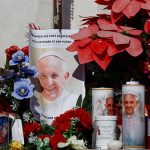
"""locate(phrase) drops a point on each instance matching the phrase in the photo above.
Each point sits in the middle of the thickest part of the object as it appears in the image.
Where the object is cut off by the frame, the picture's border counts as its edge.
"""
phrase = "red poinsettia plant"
(107, 35)
(71, 129)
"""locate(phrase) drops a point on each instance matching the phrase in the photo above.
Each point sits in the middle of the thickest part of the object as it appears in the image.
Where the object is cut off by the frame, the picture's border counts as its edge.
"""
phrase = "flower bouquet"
(15, 84)
(71, 130)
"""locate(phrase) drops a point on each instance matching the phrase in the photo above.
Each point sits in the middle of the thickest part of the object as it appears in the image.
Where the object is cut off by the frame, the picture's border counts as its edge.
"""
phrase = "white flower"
(26, 117)
(62, 145)
(78, 144)
(14, 106)
(1, 91)
(32, 138)
(73, 143)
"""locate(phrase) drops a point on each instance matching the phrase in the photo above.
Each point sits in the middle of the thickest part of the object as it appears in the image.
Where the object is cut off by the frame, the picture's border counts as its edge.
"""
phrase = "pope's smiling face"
(52, 76)
(130, 104)
(110, 105)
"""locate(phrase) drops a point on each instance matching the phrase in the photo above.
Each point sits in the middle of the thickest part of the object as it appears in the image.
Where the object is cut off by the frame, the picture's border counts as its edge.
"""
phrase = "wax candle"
(133, 118)
(102, 105)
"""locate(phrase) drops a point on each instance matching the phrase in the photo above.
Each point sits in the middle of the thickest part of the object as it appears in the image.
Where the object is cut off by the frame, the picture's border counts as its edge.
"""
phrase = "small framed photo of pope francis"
(4, 129)
(60, 78)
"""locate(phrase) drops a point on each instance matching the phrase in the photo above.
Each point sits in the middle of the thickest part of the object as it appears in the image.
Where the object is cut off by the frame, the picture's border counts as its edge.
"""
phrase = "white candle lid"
(105, 117)
(132, 82)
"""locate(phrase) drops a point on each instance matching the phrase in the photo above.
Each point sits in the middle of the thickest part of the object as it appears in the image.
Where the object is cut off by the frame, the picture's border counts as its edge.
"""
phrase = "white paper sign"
(51, 38)
(17, 131)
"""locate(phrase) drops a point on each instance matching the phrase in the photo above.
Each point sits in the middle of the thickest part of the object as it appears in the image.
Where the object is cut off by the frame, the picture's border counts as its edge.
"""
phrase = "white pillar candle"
(100, 99)
(133, 118)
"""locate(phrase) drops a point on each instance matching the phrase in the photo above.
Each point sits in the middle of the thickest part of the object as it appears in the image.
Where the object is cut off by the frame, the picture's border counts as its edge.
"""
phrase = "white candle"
(133, 127)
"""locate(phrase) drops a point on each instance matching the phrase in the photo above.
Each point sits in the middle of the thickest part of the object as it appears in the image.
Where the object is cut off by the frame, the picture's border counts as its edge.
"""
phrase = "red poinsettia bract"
(147, 26)
(129, 8)
(93, 19)
(102, 40)
(120, 38)
(85, 43)
(108, 3)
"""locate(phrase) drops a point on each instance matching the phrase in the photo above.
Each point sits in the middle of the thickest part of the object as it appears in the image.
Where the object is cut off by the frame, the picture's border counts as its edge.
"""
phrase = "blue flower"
(1, 78)
(23, 89)
(18, 57)
(29, 71)
(24, 80)
(8, 74)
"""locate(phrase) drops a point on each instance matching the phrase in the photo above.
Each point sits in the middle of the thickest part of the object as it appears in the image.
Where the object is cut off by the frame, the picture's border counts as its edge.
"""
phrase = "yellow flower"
(15, 145)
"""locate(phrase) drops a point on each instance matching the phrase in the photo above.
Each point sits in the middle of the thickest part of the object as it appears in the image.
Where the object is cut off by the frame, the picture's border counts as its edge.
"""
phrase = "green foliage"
(79, 101)
(47, 129)
(87, 102)
(6, 147)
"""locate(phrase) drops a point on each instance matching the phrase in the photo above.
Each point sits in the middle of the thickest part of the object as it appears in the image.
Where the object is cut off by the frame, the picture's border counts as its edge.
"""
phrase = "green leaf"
(47, 148)
(87, 102)
(79, 101)
(29, 146)
(39, 143)
(47, 129)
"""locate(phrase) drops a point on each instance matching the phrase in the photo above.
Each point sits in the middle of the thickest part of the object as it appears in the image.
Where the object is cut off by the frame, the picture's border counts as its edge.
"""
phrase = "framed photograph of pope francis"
(4, 129)
(60, 78)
